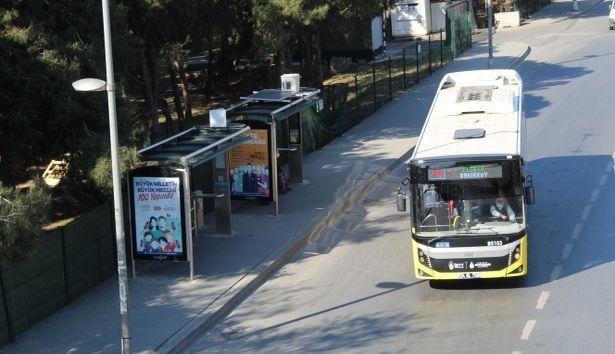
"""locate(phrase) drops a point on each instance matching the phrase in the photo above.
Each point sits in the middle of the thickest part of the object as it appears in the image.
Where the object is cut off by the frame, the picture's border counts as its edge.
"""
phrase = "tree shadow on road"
(566, 197)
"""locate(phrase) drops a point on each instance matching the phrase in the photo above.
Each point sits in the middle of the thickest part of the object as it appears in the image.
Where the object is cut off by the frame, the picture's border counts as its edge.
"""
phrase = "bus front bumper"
(517, 268)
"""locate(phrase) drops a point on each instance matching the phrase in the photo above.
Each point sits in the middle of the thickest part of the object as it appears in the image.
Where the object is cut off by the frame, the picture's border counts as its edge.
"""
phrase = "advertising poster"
(250, 168)
(157, 218)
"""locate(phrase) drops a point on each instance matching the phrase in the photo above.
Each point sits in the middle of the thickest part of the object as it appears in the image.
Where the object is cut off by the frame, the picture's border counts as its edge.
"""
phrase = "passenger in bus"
(501, 209)
(430, 197)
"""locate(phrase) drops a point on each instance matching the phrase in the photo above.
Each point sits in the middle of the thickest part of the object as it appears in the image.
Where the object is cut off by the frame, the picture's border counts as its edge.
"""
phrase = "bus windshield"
(462, 200)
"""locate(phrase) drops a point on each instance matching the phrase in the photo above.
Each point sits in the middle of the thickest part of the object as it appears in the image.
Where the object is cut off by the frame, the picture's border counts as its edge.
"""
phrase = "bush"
(90, 167)
(22, 215)
(100, 175)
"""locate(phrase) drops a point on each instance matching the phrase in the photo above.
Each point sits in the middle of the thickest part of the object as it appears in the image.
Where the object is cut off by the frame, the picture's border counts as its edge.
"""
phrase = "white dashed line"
(602, 180)
(516, 352)
(555, 273)
(527, 330)
(586, 211)
(577, 230)
(542, 300)
(595, 195)
(567, 250)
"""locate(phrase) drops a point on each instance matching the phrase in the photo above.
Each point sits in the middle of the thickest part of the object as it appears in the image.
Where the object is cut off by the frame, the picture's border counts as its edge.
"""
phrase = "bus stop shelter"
(272, 107)
(180, 154)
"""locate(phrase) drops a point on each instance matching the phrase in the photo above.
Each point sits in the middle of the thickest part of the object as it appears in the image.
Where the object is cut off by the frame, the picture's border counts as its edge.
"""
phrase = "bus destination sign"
(465, 172)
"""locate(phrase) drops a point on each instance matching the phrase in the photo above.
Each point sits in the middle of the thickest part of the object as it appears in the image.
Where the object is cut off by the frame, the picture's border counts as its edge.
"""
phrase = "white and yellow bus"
(466, 186)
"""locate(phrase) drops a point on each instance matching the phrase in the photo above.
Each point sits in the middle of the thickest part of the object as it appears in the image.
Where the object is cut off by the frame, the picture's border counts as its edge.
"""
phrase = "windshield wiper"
(499, 235)
(502, 237)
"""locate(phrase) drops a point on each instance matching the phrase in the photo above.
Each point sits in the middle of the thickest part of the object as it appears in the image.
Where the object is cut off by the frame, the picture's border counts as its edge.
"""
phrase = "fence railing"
(65, 264)
(351, 97)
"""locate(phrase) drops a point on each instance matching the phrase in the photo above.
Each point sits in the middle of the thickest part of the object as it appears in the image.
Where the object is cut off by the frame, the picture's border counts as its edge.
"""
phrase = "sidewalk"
(560, 10)
(166, 308)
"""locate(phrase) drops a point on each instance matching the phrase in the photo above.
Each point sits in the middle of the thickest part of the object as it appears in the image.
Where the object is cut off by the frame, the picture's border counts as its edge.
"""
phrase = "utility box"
(411, 18)
(291, 82)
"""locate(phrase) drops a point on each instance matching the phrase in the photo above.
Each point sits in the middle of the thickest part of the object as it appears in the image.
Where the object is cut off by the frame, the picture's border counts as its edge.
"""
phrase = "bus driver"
(502, 210)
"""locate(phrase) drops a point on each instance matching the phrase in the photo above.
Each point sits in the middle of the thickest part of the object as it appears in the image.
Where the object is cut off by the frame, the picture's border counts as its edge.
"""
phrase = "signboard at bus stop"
(157, 214)
(250, 165)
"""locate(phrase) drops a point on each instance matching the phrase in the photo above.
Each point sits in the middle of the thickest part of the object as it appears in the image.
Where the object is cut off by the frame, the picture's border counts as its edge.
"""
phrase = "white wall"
(411, 18)
(438, 16)
(377, 34)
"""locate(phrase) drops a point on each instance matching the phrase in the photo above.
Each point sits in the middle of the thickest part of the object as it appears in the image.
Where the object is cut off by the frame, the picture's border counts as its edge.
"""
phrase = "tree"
(22, 214)
(287, 26)
(43, 48)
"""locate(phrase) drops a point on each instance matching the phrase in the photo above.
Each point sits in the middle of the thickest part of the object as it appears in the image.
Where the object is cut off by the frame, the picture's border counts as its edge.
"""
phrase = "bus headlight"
(517, 253)
(423, 259)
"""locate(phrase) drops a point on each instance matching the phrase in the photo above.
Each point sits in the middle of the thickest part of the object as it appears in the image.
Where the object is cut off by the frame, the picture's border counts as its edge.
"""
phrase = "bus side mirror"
(529, 195)
(529, 190)
(400, 200)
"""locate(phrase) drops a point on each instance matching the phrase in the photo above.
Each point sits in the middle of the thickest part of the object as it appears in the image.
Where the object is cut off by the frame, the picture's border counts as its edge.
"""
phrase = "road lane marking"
(586, 211)
(603, 180)
(516, 352)
(577, 230)
(542, 300)
(595, 195)
(567, 250)
(527, 330)
(555, 273)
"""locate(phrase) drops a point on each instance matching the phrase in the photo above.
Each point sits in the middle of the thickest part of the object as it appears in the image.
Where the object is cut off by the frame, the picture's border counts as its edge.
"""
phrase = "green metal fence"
(459, 27)
(65, 264)
(354, 96)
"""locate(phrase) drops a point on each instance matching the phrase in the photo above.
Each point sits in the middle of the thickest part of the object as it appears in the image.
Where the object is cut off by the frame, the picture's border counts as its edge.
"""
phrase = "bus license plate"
(470, 276)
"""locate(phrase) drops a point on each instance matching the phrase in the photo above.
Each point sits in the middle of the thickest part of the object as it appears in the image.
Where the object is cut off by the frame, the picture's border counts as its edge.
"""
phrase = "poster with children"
(157, 218)
(250, 174)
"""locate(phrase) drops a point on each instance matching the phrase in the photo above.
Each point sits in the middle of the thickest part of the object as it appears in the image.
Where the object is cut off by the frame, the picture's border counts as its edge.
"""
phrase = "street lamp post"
(109, 86)
(490, 25)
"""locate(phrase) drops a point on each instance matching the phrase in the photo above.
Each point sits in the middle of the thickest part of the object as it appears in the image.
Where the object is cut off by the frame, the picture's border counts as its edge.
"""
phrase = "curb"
(186, 337)
(519, 59)
(274, 262)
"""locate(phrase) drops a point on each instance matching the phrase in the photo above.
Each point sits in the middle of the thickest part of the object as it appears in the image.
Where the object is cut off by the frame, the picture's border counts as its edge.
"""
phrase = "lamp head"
(87, 85)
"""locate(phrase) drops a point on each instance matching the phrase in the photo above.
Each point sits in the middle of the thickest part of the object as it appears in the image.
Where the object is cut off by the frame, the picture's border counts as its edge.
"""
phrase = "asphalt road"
(352, 289)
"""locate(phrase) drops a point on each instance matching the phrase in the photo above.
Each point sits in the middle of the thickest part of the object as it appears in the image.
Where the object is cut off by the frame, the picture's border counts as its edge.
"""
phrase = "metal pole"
(390, 84)
(429, 51)
(356, 97)
(418, 48)
(490, 25)
(188, 217)
(274, 166)
(469, 22)
(117, 188)
(441, 57)
(374, 85)
(132, 245)
(403, 63)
